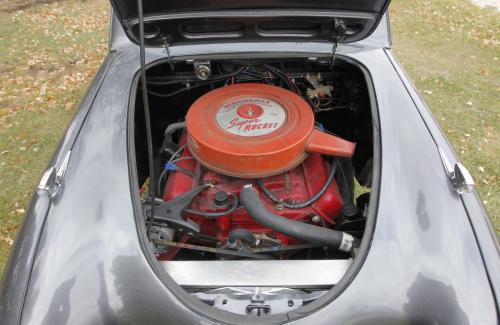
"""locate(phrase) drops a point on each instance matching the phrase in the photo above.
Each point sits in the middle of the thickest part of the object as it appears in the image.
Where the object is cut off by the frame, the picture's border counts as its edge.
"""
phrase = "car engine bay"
(263, 175)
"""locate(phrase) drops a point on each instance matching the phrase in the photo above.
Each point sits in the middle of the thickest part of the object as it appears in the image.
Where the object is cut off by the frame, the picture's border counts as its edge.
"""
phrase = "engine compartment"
(251, 177)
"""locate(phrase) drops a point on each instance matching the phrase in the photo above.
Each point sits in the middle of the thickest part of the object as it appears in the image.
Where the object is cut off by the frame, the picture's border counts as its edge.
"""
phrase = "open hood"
(170, 23)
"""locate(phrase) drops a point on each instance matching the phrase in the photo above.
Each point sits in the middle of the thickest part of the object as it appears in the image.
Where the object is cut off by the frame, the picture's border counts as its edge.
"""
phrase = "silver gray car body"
(80, 259)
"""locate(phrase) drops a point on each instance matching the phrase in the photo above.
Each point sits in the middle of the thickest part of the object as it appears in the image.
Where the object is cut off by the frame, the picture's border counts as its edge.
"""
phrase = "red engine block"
(296, 185)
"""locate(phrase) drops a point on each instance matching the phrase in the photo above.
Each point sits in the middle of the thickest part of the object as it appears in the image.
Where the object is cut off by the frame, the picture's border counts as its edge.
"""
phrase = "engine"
(261, 140)
(293, 186)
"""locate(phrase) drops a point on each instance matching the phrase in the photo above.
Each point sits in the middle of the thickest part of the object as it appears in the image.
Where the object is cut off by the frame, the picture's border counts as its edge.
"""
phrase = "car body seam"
(474, 231)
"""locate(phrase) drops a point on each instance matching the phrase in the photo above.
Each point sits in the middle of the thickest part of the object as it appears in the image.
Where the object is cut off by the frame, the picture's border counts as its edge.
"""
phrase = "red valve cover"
(296, 185)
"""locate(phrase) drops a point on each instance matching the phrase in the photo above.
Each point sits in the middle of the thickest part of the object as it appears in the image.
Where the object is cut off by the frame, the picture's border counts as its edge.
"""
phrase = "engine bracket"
(171, 212)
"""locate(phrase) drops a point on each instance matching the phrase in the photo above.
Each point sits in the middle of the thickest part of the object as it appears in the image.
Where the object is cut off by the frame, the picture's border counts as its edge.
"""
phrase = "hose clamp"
(347, 242)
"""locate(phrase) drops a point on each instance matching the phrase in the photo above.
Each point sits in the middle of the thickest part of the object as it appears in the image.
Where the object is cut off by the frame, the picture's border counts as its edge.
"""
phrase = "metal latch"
(53, 177)
(459, 176)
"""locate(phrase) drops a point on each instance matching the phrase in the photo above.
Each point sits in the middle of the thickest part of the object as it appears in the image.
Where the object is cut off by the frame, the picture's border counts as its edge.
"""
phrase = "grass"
(50, 52)
(450, 50)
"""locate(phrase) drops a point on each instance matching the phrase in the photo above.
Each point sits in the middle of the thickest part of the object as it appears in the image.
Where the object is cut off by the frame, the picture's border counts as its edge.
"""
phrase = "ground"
(51, 50)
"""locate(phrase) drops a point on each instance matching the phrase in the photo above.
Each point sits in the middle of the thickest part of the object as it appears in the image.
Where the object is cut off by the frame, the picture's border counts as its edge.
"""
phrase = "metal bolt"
(202, 71)
(257, 298)
(316, 219)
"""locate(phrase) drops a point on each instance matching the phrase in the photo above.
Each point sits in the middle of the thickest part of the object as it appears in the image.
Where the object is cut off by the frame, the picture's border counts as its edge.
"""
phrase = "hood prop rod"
(339, 33)
(166, 46)
(145, 100)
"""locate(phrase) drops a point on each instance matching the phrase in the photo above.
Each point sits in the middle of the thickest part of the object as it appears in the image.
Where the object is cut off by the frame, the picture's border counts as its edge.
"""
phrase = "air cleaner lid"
(256, 130)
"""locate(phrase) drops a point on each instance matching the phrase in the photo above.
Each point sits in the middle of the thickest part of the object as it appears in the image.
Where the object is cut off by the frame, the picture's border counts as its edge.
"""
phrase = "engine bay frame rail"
(250, 253)
(257, 273)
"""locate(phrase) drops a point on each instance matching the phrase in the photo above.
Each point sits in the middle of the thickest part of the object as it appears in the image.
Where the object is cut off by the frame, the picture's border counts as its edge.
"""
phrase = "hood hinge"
(339, 30)
(459, 176)
(166, 46)
(53, 177)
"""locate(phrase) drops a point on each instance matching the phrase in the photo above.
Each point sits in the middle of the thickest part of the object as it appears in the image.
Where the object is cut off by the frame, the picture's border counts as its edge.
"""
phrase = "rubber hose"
(241, 234)
(171, 128)
(303, 231)
(346, 187)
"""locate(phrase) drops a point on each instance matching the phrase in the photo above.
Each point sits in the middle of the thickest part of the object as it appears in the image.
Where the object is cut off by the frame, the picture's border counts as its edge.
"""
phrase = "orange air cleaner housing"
(252, 130)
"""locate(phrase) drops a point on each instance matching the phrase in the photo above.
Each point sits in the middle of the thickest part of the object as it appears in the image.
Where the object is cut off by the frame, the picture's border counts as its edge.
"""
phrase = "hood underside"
(195, 21)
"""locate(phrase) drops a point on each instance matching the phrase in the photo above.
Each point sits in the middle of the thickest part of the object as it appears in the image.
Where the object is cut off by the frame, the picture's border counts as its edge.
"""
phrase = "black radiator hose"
(303, 231)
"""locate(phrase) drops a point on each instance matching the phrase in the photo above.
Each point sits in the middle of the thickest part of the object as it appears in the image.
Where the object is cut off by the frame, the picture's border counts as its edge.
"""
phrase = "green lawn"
(49, 55)
(451, 51)
(50, 52)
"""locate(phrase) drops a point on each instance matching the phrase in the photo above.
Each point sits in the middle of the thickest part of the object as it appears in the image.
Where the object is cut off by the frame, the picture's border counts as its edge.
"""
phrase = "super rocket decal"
(250, 116)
